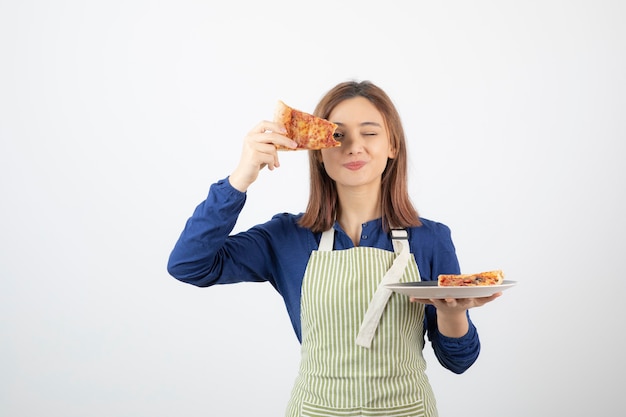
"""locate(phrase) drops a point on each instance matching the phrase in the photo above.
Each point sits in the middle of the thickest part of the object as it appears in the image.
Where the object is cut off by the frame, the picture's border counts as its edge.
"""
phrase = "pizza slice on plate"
(308, 131)
(471, 280)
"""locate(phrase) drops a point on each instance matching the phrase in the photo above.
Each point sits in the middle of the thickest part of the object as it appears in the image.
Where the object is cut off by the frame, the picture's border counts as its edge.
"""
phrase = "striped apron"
(361, 344)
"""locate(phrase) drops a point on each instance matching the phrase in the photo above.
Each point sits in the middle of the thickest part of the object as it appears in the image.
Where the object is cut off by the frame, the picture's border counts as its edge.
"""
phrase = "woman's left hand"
(456, 304)
(451, 312)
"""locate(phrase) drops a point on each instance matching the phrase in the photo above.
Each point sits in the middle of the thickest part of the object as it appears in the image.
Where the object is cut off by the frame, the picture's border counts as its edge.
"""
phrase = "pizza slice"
(471, 280)
(308, 131)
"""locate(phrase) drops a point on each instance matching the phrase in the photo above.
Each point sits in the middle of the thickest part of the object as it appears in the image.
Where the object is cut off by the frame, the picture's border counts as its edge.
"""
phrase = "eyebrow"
(361, 124)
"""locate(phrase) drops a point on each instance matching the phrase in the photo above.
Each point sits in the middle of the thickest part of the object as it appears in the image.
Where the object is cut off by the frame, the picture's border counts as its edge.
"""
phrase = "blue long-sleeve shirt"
(278, 252)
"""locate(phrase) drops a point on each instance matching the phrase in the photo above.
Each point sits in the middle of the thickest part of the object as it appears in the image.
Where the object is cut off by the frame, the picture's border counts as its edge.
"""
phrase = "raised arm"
(204, 254)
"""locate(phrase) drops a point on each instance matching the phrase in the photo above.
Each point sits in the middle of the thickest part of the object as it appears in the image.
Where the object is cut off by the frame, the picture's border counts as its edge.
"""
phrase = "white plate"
(430, 289)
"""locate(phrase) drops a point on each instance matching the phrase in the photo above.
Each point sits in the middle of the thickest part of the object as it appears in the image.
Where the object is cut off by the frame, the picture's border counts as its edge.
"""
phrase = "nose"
(352, 144)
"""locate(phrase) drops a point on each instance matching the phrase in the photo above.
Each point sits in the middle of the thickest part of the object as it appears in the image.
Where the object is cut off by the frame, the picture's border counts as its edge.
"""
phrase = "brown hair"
(397, 209)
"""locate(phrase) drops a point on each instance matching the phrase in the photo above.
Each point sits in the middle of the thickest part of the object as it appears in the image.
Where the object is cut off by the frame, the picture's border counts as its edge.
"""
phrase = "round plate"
(431, 289)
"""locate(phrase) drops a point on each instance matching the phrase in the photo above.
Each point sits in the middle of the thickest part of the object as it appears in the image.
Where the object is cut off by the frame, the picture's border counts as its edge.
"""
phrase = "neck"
(357, 206)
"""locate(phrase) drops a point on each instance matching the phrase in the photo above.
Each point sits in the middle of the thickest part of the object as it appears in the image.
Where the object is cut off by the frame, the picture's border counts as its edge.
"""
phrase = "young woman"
(361, 345)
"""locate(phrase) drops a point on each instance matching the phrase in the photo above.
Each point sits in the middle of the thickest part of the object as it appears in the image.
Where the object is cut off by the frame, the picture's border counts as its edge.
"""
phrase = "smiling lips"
(355, 165)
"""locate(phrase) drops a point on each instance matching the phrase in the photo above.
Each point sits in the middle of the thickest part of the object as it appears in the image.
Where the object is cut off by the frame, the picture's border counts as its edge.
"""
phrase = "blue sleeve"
(205, 254)
(455, 354)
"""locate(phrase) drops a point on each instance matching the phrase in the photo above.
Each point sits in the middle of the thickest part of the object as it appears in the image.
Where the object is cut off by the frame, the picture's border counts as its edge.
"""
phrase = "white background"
(116, 116)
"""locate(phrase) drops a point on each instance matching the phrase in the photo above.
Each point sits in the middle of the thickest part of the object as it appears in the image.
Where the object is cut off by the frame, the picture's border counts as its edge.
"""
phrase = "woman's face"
(365, 145)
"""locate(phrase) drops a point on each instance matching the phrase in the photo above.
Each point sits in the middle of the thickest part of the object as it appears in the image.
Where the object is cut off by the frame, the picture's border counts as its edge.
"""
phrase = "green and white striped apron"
(361, 344)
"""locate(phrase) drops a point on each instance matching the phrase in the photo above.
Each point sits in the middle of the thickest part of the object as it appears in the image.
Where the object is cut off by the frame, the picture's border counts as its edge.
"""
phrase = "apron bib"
(361, 351)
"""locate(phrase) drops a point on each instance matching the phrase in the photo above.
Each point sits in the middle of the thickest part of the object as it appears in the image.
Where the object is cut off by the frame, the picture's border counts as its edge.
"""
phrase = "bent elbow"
(188, 274)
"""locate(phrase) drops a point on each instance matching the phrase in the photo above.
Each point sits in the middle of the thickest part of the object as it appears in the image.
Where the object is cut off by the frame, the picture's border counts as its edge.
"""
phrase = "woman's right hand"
(259, 151)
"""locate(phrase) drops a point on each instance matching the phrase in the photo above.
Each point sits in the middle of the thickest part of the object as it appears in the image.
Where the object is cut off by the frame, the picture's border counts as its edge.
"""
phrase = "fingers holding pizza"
(260, 150)
(291, 129)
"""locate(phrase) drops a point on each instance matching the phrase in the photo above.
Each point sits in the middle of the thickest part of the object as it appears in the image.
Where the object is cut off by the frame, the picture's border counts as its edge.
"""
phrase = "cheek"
(321, 157)
(329, 161)
(327, 156)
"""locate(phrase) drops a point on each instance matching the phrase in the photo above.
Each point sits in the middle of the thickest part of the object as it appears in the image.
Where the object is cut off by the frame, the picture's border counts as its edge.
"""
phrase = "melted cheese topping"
(308, 131)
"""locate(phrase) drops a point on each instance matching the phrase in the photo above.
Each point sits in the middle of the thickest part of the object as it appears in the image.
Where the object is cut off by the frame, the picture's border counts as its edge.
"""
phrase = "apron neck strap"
(327, 240)
(398, 236)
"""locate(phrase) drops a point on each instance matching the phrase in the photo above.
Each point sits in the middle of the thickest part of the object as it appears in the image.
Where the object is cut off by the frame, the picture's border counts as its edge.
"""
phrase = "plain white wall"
(116, 116)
